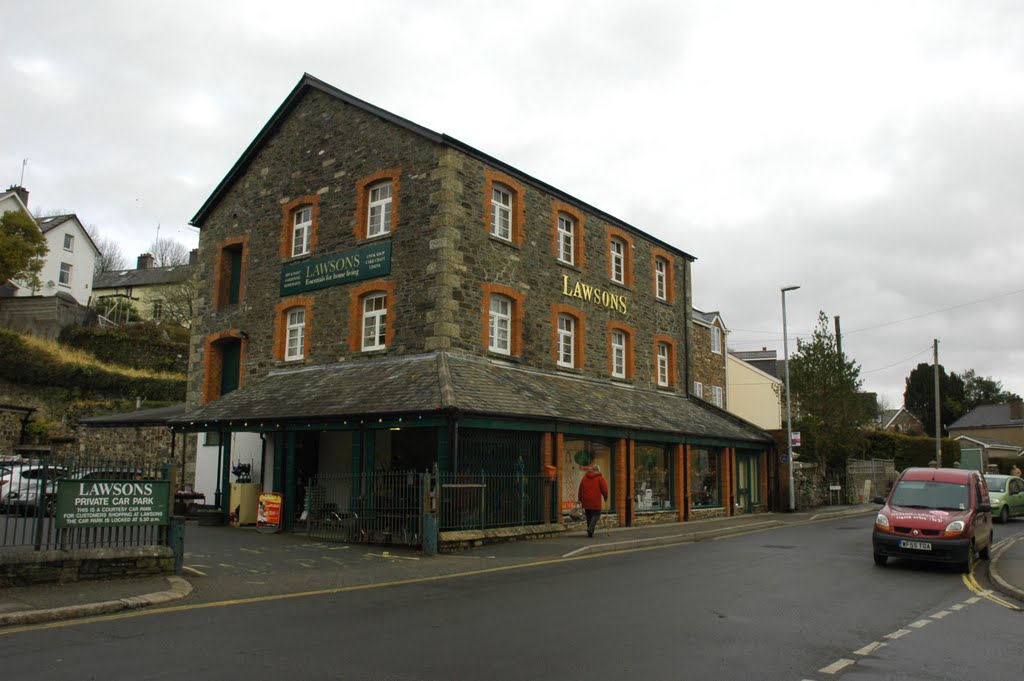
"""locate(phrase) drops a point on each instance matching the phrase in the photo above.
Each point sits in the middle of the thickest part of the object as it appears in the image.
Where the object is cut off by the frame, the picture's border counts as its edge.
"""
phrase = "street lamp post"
(789, 415)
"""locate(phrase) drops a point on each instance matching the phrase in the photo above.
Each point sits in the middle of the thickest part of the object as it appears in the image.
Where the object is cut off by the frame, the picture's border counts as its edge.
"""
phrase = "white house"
(72, 256)
(754, 395)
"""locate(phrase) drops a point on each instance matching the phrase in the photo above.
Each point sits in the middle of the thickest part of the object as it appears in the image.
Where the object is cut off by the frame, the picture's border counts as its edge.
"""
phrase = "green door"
(231, 365)
(747, 481)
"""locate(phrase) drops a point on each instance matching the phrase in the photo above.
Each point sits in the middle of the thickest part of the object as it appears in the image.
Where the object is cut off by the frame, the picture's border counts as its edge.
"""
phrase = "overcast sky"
(870, 152)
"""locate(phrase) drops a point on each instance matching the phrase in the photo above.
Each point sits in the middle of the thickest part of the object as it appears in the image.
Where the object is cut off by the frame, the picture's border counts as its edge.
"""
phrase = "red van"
(935, 514)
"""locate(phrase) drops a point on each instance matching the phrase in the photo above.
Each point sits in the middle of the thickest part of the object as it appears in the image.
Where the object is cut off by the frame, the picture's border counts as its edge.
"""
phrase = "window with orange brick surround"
(658, 340)
(222, 271)
(355, 312)
(670, 276)
(578, 251)
(518, 308)
(281, 325)
(363, 187)
(578, 333)
(630, 334)
(627, 265)
(213, 362)
(288, 222)
(492, 178)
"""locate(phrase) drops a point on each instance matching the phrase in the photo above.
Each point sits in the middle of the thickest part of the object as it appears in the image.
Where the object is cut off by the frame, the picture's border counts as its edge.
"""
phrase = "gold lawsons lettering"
(333, 266)
(592, 294)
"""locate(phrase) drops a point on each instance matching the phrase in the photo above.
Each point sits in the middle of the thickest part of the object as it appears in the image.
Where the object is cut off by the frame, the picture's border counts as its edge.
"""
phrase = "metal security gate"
(375, 508)
(500, 452)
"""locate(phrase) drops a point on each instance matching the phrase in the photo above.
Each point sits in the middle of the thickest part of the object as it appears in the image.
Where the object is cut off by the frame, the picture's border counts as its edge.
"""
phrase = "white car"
(21, 488)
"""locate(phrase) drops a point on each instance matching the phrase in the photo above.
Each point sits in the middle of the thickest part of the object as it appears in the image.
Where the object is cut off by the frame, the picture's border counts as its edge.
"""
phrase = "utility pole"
(938, 412)
(839, 342)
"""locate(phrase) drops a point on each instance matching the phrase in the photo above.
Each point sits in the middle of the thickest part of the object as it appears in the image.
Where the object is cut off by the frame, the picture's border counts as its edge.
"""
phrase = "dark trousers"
(592, 518)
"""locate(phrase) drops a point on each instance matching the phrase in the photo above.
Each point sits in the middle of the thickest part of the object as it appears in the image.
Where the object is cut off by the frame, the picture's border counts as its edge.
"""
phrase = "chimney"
(21, 192)
(145, 261)
(1016, 410)
(193, 256)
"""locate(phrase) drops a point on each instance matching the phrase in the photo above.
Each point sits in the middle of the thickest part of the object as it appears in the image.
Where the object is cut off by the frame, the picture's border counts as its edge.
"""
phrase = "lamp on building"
(789, 415)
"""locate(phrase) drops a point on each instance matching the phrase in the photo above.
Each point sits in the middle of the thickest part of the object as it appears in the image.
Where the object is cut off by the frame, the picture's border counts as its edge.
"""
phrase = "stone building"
(375, 296)
(710, 366)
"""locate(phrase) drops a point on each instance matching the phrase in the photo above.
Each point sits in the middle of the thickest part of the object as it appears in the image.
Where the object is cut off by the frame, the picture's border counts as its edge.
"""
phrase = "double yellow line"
(971, 583)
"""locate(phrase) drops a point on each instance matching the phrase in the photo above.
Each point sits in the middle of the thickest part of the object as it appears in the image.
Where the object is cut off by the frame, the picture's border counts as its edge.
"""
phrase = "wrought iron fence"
(480, 501)
(28, 499)
(377, 508)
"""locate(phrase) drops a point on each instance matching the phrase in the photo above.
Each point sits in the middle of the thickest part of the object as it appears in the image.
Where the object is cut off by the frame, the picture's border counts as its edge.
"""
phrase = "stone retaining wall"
(29, 568)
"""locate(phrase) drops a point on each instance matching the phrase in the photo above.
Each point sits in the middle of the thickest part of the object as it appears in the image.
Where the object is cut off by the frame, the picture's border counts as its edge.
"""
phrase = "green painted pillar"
(278, 463)
(289, 482)
(225, 479)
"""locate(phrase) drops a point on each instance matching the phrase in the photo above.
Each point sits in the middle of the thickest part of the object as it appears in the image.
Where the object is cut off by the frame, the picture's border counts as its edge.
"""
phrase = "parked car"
(21, 493)
(1006, 493)
(935, 514)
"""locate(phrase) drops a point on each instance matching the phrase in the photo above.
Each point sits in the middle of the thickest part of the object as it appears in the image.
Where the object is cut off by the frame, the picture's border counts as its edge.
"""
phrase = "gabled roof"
(887, 416)
(308, 82)
(12, 194)
(989, 416)
(753, 367)
(989, 443)
(150, 276)
(54, 221)
(708, 318)
(469, 385)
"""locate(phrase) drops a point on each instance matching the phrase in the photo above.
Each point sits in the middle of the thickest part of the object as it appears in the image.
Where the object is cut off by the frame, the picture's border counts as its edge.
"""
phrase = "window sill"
(569, 266)
(569, 370)
(504, 242)
(491, 354)
(619, 380)
(665, 301)
(376, 237)
(624, 287)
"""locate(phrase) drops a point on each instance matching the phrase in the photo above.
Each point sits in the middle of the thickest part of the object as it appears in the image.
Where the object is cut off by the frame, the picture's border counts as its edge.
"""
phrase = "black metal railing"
(383, 507)
(486, 500)
(28, 501)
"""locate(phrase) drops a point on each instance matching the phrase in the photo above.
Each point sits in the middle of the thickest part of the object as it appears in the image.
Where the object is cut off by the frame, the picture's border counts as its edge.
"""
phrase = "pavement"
(232, 564)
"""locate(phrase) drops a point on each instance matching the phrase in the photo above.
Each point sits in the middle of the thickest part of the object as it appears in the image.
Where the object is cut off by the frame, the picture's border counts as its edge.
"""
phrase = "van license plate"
(919, 545)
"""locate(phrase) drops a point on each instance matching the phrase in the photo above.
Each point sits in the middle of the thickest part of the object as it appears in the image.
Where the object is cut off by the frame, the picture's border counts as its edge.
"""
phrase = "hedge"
(25, 364)
(138, 346)
(907, 450)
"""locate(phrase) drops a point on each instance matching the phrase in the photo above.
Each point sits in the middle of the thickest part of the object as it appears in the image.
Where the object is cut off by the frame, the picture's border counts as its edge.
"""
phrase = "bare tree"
(168, 252)
(111, 257)
(178, 302)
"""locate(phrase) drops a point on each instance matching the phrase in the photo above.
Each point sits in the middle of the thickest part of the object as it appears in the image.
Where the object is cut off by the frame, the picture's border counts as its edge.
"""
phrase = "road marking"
(897, 634)
(920, 623)
(194, 571)
(973, 585)
(837, 666)
(249, 550)
(939, 615)
(869, 648)
(972, 600)
(958, 606)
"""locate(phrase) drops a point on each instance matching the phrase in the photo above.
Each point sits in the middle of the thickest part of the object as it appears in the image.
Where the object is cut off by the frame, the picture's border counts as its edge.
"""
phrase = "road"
(794, 603)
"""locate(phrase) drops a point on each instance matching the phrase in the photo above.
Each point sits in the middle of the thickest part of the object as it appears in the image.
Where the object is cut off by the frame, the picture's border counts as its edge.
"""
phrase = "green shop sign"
(105, 503)
(365, 262)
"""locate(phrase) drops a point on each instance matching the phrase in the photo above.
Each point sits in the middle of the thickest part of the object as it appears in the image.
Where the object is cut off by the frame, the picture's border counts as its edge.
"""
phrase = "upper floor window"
(302, 231)
(617, 254)
(65, 274)
(296, 334)
(501, 212)
(618, 354)
(566, 340)
(69, 242)
(716, 340)
(663, 364)
(499, 331)
(566, 236)
(379, 218)
(375, 315)
(716, 396)
(660, 279)
(504, 210)
(698, 389)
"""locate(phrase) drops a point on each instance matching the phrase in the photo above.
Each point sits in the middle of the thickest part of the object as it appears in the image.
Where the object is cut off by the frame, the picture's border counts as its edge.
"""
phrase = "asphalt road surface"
(795, 603)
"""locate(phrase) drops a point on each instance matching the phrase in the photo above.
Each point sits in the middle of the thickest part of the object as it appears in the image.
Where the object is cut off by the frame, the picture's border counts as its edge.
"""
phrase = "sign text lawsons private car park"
(102, 503)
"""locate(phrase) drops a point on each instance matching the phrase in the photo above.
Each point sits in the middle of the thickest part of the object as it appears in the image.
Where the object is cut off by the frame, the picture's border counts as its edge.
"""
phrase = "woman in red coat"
(593, 489)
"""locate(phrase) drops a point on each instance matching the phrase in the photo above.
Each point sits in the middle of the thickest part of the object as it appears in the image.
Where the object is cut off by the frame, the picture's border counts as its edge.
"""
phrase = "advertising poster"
(577, 458)
(268, 513)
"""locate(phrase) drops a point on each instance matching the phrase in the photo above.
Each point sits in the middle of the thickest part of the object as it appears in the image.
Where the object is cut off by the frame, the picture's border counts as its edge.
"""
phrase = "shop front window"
(577, 457)
(705, 477)
(653, 491)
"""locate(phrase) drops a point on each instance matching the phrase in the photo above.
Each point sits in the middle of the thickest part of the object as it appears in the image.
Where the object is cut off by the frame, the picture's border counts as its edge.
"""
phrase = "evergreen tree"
(22, 249)
(919, 396)
(828, 404)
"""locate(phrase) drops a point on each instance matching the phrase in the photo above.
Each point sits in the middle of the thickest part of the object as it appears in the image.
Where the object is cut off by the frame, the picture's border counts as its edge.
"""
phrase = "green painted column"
(289, 482)
(225, 475)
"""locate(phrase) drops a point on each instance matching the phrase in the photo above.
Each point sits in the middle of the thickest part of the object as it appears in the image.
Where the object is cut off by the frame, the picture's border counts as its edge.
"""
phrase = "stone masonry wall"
(10, 430)
(708, 367)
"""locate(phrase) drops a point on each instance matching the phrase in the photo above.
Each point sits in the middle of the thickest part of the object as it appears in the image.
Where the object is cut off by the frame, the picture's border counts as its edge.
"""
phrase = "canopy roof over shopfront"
(465, 384)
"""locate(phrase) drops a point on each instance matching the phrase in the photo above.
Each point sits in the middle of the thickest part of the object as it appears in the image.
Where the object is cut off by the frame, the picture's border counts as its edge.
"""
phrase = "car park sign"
(106, 503)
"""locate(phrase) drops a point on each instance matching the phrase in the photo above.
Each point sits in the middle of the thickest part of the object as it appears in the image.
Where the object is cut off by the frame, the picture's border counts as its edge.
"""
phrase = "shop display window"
(652, 478)
(578, 455)
(705, 477)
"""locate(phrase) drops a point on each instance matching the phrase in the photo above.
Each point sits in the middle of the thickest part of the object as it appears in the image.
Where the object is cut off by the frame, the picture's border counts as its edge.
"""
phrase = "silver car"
(24, 484)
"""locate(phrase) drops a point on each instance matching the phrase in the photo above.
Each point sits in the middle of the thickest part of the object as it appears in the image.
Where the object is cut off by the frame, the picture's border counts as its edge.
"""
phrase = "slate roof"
(990, 442)
(308, 82)
(143, 417)
(988, 416)
(54, 221)
(150, 276)
(470, 385)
